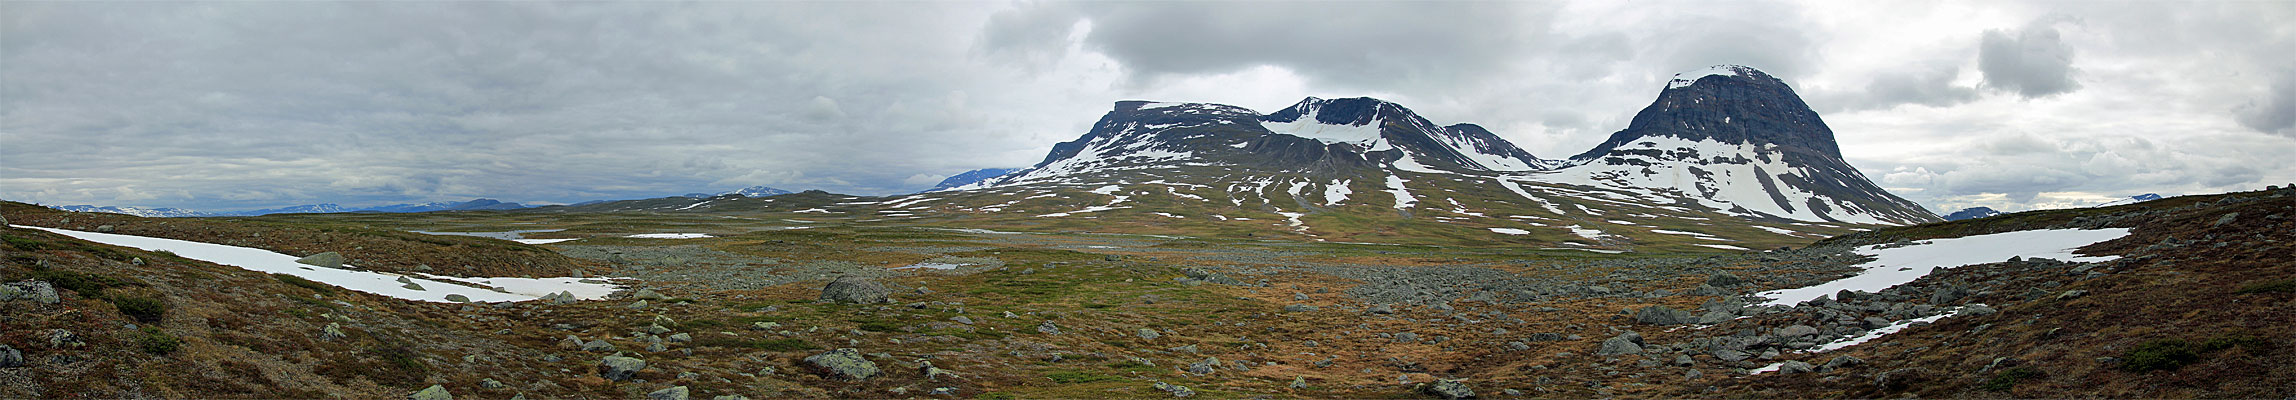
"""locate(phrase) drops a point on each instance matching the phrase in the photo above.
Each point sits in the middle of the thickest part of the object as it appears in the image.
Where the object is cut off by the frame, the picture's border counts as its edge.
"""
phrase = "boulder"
(1175, 390)
(671, 393)
(842, 364)
(1449, 389)
(619, 368)
(1723, 279)
(34, 290)
(1662, 315)
(1048, 328)
(1716, 317)
(10, 358)
(1624, 343)
(434, 392)
(1796, 331)
(1149, 334)
(857, 290)
(1795, 367)
(327, 259)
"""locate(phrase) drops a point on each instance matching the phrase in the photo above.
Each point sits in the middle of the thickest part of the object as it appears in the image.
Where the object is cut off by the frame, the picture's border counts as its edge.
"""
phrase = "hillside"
(1110, 315)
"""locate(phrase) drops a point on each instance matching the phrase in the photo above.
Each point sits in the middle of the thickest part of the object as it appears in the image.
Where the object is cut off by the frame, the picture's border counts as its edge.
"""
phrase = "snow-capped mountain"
(1734, 139)
(474, 204)
(2131, 200)
(302, 209)
(135, 211)
(970, 177)
(1726, 158)
(756, 191)
(1971, 213)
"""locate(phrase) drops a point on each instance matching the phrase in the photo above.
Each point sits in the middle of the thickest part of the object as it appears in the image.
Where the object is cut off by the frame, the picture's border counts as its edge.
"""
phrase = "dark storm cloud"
(2033, 61)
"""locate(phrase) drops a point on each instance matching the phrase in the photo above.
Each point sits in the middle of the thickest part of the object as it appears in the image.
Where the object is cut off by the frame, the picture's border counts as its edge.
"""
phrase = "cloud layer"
(235, 105)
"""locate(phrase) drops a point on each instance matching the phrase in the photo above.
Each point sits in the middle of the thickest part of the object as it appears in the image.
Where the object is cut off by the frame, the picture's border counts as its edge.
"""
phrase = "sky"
(243, 105)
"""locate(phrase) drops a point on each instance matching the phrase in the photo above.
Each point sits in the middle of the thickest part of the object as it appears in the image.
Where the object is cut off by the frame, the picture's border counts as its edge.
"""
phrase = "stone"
(1716, 317)
(843, 364)
(10, 358)
(434, 392)
(1175, 390)
(1795, 367)
(38, 291)
(681, 337)
(648, 294)
(1723, 279)
(856, 290)
(1298, 382)
(331, 332)
(1978, 309)
(1380, 309)
(1048, 328)
(619, 368)
(962, 320)
(2072, 294)
(1795, 331)
(412, 286)
(599, 345)
(327, 259)
(106, 228)
(490, 383)
(1299, 308)
(1624, 343)
(1450, 389)
(942, 391)
(935, 373)
(1206, 367)
(671, 393)
(657, 329)
(1662, 315)
(1407, 337)
(765, 326)
(458, 298)
(1840, 362)
(1149, 334)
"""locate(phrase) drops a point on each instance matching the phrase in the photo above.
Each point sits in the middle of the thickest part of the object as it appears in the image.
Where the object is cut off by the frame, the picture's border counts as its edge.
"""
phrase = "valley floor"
(2192, 299)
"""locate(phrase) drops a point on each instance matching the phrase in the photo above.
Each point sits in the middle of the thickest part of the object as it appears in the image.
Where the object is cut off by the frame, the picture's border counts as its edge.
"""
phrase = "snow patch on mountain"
(1686, 79)
(1402, 194)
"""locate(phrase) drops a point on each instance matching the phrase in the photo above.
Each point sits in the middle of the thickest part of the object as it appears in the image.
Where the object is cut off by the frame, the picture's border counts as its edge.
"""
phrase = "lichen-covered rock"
(619, 368)
(854, 289)
(843, 363)
(1450, 389)
(671, 393)
(327, 259)
(434, 392)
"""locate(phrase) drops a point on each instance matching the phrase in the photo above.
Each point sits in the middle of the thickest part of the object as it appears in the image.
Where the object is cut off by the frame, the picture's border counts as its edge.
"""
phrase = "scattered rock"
(1624, 343)
(681, 337)
(1978, 309)
(962, 320)
(671, 393)
(1840, 362)
(857, 290)
(1450, 389)
(458, 298)
(1795, 367)
(935, 373)
(1149, 334)
(1048, 328)
(1298, 382)
(106, 228)
(490, 383)
(619, 368)
(34, 290)
(331, 332)
(1175, 390)
(1723, 279)
(1662, 315)
(599, 345)
(648, 294)
(327, 259)
(1380, 309)
(1796, 331)
(434, 392)
(843, 363)
(10, 358)
(1299, 308)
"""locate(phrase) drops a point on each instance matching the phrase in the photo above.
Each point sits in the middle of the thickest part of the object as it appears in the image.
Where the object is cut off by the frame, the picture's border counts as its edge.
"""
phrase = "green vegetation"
(1076, 377)
(2279, 286)
(24, 244)
(2170, 354)
(156, 341)
(142, 309)
(85, 284)
(766, 345)
(298, 281)
(2007, 379)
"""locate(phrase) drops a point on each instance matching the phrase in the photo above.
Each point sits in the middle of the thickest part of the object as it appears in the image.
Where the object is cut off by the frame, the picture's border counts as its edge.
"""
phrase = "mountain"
(302, 209)
(1971, 213)
(1736, 139)
(1726, 143)
(2131, 200)
(970, 177)
(756, 191)
(475, 204)
(135, 211)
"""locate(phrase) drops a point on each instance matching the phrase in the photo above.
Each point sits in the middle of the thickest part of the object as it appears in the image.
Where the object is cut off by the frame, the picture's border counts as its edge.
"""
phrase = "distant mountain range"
(1972, 213)
(971, 177)
(753, 191)
(2131, 200)
(475, 204)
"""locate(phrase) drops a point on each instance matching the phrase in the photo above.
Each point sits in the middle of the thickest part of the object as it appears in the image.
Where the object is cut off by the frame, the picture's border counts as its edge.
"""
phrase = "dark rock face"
(1748, 107)
(1971, 213)
(969, 177)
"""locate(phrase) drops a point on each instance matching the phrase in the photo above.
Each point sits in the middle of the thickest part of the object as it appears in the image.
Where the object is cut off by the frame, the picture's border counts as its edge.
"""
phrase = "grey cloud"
(2275, 112)
(2033, 61)
(1361, 44)
(1930, 85)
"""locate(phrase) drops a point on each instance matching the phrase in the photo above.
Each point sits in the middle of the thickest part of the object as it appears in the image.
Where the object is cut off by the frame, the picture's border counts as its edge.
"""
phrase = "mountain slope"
(970, 177)
(1720, 162)
(1971, 213)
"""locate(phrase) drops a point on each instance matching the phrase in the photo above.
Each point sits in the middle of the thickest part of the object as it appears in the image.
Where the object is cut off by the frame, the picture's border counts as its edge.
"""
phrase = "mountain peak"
(1723, 72)
(1354, 111)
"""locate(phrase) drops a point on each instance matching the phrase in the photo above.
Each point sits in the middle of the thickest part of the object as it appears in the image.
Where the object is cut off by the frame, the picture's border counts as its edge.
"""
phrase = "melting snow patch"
(1720, 246)
(434, 288)
(1594, 234)
(1402, 194)
(1511, 231)
(542, 241)
(670, 236)
(1894, 266)
(812, 210)
(931, 265)
(1335, 193)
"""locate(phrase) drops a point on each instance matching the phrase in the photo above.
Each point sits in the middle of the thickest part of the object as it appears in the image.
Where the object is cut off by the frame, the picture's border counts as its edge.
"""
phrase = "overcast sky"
(242, 105)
